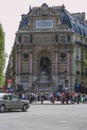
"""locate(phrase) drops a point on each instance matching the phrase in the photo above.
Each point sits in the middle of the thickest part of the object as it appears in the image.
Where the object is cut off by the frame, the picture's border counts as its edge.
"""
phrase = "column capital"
(31, 50)
(19, 50)
(56, 50)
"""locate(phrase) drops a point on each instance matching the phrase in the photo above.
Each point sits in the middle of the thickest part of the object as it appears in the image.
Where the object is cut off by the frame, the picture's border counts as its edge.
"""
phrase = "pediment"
(44, 10)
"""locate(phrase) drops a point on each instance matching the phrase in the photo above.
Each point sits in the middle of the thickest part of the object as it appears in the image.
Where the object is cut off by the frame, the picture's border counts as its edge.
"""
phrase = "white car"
(10, 101)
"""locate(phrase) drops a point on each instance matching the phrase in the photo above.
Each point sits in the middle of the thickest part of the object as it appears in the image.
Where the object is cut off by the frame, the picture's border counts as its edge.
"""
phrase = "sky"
(11, 11)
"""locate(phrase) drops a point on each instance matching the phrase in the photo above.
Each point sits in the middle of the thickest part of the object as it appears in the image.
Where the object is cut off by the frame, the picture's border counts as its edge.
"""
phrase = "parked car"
(10, 101)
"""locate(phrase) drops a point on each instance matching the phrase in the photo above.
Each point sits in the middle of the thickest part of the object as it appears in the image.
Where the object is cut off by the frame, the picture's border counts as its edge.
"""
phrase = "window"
(68, 38)
(77, 54)
(6, 97)
(82, 55)
(56, 38)
(31, 38)
(19, 39)
(13, 98)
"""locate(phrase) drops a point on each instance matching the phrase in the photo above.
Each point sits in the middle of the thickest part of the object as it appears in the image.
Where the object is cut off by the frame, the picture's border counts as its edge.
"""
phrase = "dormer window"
(19, 39)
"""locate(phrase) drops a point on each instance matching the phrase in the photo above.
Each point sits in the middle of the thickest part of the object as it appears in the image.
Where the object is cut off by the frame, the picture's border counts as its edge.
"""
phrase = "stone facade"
(48, 52)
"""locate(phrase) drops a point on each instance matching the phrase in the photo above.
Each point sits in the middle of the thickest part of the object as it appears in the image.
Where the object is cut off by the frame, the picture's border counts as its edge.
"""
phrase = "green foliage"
(85, 62)
(2, 55)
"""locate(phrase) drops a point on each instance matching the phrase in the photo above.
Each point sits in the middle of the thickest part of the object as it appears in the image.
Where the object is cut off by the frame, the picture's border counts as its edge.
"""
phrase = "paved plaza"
(46, 117)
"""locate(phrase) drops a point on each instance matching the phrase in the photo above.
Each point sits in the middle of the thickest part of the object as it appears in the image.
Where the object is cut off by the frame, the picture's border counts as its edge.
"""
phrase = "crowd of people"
(65, 97)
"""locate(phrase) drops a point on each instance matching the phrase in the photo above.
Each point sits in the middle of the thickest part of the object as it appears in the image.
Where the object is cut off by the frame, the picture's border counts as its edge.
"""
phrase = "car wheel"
(24, 108)
(2, 108)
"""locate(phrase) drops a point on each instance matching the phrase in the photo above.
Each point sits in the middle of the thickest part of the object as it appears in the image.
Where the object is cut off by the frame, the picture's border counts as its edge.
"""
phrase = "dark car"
(10, 101)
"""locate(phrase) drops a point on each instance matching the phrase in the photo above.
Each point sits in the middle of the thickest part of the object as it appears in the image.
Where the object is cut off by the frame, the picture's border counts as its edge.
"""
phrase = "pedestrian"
(67, 96)
(63, 98)
(78, 98)
(42, 98)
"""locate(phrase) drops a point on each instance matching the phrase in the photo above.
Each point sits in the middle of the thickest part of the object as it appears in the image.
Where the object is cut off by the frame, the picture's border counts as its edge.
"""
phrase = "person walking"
(67, 96)
(63, 98)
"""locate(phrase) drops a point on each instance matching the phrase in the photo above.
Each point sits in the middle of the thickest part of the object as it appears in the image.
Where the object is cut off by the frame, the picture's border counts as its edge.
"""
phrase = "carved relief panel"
(25, 39)
(62, 38)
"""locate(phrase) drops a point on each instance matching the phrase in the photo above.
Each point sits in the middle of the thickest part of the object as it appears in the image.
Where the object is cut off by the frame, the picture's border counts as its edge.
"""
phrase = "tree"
(2, 55)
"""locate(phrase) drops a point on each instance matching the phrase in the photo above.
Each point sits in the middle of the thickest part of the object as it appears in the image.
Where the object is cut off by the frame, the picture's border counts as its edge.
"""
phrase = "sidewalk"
(46, 102)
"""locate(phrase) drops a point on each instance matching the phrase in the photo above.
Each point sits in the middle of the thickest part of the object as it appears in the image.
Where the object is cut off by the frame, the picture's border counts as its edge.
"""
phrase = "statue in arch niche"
(44, 65)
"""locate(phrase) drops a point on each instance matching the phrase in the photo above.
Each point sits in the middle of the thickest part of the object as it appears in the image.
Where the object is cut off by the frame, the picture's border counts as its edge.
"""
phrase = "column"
(19, 63)
(56, 66)
(30, 69)
(18, 67)
(68, 68)
(68, 63)
(30, 63)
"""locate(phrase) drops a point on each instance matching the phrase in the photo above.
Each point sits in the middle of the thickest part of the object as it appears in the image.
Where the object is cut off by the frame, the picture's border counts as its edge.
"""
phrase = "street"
(46, 117)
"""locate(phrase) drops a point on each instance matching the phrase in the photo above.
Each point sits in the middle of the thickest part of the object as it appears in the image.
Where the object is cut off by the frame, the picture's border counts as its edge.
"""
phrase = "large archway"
(45, 65)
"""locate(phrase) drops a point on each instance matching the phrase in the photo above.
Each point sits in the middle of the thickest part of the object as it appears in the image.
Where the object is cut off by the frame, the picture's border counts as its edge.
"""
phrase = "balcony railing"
(80, 44)
(85, 73)
(82, 73)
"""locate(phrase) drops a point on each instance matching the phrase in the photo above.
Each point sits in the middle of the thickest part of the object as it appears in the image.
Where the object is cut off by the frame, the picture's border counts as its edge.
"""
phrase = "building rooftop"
(73, 21)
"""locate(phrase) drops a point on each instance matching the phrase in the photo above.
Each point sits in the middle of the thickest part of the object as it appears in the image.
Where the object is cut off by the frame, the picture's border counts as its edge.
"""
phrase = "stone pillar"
(56, 66)
(68, 63)
(68, 68)
(18, 67)
(30, 69)
(31, 63)
(19, 63)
